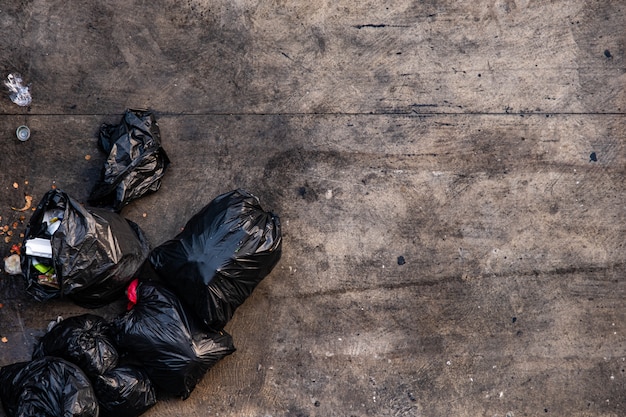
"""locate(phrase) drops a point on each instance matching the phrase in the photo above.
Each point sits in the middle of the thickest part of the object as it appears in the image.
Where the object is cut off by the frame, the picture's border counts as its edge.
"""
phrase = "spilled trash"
(89, 255)
(180, 295)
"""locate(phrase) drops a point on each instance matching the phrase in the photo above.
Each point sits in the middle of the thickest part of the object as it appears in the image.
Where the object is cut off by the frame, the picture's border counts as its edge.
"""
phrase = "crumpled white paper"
(19, 93)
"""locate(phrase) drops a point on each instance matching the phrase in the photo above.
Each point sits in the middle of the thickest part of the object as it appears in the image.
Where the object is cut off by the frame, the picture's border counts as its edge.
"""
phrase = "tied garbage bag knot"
(167, 341)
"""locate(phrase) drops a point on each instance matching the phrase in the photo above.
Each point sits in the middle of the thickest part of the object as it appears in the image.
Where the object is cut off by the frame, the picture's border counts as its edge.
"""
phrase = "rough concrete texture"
(449, 176)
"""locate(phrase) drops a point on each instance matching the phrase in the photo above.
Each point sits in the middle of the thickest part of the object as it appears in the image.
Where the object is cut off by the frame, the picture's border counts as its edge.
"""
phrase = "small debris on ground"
(19, 93)
(28, 202)
(12, 265)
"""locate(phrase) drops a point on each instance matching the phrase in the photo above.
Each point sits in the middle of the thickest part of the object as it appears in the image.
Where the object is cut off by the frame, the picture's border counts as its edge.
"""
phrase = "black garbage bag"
(167, 342)
(124, 392)
(92, 253)
(83, 340)
(223, 252)
(136, 161)
(47, 387)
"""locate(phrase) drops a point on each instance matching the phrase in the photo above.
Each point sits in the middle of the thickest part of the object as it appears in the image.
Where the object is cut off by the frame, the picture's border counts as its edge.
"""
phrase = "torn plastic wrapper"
(136, 161)
(19, 93)
(168, 342)
(221, 255)
(47, 387)
(83, 340)
(95, 252)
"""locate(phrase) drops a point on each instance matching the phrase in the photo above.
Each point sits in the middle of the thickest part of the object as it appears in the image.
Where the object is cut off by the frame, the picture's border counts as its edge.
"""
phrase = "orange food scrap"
(4, 339)
(15, 185)
(28, 201)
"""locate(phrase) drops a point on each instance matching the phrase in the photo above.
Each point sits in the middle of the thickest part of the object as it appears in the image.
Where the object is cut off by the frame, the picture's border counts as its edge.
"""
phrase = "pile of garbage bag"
(74, 371)
(180, 294)
(46, 387)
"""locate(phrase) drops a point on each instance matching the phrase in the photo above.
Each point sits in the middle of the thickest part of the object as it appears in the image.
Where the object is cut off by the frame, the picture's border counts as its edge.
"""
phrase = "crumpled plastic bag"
(95, 252)
(124, 392)
(47, 387)
(167, 342)
(136, 161)
(221, 255)
(19, 93)
(83, 340)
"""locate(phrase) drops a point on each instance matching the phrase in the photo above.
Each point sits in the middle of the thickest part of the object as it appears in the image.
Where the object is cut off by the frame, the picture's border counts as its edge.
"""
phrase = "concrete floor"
(451, 247)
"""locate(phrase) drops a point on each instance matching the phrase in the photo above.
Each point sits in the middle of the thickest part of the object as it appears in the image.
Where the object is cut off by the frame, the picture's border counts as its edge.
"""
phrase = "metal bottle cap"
(23, 133)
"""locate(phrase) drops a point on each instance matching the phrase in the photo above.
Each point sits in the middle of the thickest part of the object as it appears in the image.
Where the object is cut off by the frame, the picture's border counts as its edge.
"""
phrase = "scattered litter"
(19, 93)
(4, 339)
(22, 133)
(15, 185)
(87, 157)
(12, 265)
